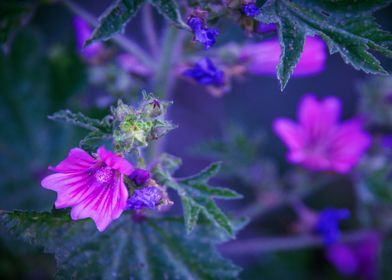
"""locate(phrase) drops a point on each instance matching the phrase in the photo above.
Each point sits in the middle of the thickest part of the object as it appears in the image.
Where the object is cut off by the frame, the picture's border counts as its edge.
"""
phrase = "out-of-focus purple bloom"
(83, 33)
(93, 187)
(265, 27)
(202, 34)
(148, 197)
(358, 258)
(132, 65)
(206, 73)
(386, 141)
(328, 224)
(250, 10)
(318, 141)
(140, 176)
(262, 58)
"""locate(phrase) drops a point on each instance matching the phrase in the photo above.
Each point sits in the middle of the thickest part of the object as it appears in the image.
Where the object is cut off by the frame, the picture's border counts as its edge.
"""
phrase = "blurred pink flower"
(318, 141)
(83, 33)
(93, 187)
(132, 65)
(262, 58)
(358, 258)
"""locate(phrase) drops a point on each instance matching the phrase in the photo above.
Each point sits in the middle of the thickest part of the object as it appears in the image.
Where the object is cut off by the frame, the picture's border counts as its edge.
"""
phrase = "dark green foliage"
(151, 249)
(347, 26)
(196, 194)
(115, 19)
(29, 142)
(170, 10)
(13, 14)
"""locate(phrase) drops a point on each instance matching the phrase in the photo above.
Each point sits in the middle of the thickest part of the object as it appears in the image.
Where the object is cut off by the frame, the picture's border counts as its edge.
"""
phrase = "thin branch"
(149, 29)
(119, 39)
(274, 244)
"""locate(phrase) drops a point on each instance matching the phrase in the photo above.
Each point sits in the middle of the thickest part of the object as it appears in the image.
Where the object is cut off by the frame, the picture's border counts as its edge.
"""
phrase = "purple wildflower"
(328, 224)
(250, 10)
(93, 187)
(318, 141)
(358, 258)
(132, 65)
(265, 27)
(148, 197)
(206, 73)
(140, 176)
(202, 33)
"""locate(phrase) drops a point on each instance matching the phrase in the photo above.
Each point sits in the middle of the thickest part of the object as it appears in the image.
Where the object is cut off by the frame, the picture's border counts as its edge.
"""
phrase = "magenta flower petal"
(115, 161)
(318, 141)
(262, 58)
(83, 33)
(94, 188)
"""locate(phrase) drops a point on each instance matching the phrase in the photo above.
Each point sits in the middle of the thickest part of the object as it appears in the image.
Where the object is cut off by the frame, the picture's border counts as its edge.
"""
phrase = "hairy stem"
(149, 30)
(122, 41)
(286, 243)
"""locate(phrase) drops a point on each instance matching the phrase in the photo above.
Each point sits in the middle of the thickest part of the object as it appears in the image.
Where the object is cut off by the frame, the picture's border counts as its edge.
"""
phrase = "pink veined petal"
(115, 161)
(104, 205)
(331, 108)
(77, 161)
(348, 145)
(309, 112)
(290, 133)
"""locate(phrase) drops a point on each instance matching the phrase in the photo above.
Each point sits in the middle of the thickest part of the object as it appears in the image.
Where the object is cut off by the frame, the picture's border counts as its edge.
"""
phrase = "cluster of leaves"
(196, 194)
(151, 249)
(347, 26)
(127, 127)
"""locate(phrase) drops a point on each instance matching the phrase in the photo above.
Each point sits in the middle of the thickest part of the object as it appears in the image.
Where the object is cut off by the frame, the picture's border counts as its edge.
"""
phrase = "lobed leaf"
(347, 26)
(114, 19)
(152, 249)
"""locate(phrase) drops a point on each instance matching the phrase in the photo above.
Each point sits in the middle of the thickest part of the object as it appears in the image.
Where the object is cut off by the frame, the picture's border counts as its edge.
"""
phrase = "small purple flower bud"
(250, 10)
(148, 197)
(206, 73)
(202, 33)
(328, 224)
(265, 27)
(140, 176)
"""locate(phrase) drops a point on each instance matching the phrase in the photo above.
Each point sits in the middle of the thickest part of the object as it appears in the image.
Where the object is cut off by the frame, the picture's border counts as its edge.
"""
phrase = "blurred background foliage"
(41, 73)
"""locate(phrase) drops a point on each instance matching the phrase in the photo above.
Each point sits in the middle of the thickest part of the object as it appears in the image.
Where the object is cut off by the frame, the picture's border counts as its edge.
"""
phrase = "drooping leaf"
(114, 19)
(170, 10)
(347, 26)
(151, 249)
(13, 14)
(81, 120)
(196, 194)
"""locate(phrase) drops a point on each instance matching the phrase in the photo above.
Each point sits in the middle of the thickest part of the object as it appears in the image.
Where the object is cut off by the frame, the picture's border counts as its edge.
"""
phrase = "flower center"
(104, 174)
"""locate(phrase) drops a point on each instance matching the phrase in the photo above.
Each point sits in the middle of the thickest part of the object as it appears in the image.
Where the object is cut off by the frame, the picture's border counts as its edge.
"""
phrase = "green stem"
(120, 40)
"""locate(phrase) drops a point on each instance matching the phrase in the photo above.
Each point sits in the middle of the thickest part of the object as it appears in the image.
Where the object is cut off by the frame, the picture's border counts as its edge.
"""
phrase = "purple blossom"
(206, 73)
(262, 58)
(93, 187)
(328, 224)
(148, 197)
(357, 258)
(250, 10)
(83, 33)
(317, 141)
(132, 65)
(140, 176)
(265, 27)
(202, 33)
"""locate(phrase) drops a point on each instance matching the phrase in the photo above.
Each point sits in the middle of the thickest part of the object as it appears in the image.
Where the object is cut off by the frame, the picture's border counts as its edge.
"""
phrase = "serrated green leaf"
(170, 10)
(292, 39)
(81, 120)
(197, 196)
(152, 249)
(191, 214)
(347, 26)
(114, 19)
(93, 140)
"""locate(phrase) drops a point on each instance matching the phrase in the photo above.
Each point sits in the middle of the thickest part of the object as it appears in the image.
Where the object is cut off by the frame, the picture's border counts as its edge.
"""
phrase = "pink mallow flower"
(318, 141)
(262, 58)
(93, 187)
